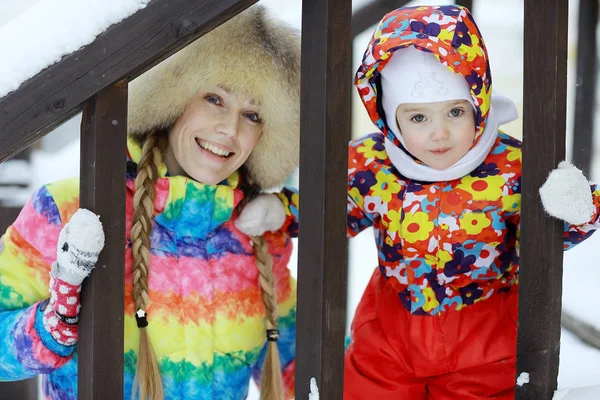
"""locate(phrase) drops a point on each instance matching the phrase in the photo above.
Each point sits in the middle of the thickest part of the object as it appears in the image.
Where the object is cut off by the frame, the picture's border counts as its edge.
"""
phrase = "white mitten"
(264, 213)
(79, 245)
(566, 195)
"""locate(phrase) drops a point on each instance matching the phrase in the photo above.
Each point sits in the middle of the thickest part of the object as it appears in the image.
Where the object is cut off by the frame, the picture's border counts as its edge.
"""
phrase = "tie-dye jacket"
(442, 245)
(206, 312)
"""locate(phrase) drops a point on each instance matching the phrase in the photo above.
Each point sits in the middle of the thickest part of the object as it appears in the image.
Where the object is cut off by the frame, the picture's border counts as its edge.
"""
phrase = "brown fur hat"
(251, 52)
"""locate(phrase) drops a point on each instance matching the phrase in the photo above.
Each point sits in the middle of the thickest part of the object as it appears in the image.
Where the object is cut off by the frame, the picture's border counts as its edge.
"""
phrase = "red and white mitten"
(79, 246)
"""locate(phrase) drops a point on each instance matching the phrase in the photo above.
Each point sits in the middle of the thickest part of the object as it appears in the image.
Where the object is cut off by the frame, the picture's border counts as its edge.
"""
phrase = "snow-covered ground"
(579, 363)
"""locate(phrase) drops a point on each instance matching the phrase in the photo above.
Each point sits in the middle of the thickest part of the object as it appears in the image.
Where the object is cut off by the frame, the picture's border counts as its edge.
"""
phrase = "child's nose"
(440, 132)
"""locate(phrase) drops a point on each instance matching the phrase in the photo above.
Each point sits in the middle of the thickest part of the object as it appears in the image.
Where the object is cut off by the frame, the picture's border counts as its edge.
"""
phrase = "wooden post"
(466, 3)
(585, 97)
(323, 256)
(102, 190)
(544, 124)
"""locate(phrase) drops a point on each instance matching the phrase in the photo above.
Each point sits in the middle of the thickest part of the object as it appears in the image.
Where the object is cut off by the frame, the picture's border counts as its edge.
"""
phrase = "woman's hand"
(79, 245)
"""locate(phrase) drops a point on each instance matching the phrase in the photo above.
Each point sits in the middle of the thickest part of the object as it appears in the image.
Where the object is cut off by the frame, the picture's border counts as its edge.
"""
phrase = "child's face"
(439, 134)
(214, 136)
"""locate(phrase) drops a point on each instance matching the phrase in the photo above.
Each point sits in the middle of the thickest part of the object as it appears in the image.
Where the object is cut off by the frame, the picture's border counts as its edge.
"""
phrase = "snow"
(579, 372)
(66, 25)
(584, 393)
(314, 390)
(523, 379)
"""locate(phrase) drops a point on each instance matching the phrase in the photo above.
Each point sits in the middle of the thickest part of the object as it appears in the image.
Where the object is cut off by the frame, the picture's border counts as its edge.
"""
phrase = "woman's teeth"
(212, 149)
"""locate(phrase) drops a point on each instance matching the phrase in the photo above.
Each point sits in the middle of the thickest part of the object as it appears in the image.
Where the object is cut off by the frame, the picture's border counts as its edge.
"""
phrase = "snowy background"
(57, 155)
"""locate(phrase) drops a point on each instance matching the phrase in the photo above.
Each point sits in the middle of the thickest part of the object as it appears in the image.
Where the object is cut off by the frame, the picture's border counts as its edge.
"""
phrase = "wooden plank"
(586, 332)
(124, 51)
(323, 255)
(7, 217)
(371, 13)
(102, 190)
(21, 390)
(544, 124)
(585, 97)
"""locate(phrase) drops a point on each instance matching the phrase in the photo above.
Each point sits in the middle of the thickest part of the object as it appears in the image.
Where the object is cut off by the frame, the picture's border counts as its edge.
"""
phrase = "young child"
(208, 127)
(440, 185)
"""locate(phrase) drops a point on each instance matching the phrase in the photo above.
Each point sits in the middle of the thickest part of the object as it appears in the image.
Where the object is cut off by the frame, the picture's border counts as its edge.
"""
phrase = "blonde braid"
(271, 384)
(147, 376)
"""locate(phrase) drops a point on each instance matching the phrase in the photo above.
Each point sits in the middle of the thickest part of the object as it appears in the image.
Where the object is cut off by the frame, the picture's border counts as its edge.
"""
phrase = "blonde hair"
(147, 377)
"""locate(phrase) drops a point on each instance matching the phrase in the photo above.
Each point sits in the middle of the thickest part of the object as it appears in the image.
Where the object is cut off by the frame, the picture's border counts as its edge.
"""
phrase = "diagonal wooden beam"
(370, 14)
(124, 51)
(323, 253)
(544, 124)
(102, 190)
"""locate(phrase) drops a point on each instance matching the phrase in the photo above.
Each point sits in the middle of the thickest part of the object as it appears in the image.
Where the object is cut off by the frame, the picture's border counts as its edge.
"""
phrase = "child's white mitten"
(566, 195)
(79, 246)
(264, 213)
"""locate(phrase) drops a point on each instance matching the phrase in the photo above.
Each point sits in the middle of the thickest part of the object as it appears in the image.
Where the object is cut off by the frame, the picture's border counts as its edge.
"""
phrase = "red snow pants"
(456, 355)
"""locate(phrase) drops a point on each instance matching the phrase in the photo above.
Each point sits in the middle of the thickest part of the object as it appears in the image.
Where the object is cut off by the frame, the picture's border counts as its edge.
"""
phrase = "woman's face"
(214, 136)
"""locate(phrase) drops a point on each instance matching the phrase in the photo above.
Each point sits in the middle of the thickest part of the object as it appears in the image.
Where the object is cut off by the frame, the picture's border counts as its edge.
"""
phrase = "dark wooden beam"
(102, 190)
(124, 51)
(323, 255)
(22, 390)
(370, 14)
(7, 217)
(544, 124)
(466, 3)
(585, 97)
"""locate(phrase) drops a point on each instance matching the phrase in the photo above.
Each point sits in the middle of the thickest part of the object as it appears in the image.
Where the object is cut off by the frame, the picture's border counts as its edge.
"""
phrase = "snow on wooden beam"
(544, 124)
(124, 51)
(102, 190)
(322, 254)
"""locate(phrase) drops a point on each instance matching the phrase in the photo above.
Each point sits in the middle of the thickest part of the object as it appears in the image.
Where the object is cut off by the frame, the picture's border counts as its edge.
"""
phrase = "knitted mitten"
(79, 244)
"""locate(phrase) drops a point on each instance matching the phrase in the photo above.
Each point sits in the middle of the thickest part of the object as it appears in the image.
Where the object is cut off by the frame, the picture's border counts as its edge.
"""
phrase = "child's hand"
(262, 214)
(566, 195)
(79, 246)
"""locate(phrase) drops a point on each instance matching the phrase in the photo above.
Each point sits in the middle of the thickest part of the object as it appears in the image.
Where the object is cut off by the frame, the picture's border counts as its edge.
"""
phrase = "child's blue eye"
(418, 118)
(456, 112)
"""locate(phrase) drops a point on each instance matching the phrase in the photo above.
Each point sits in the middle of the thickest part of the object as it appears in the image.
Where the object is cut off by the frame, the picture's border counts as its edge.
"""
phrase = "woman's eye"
(418, 118)
(254, 117)
(213, 99)
(456, 112)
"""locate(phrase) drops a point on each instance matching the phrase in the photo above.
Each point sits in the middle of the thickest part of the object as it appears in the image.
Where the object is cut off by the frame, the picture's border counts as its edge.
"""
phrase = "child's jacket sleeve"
(575, 234)
(362, 154)
(290, 199)
(27, 250)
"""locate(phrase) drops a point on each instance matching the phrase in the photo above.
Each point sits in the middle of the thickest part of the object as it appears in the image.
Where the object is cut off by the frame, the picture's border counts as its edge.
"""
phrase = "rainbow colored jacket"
(442, 245)
(205, 312)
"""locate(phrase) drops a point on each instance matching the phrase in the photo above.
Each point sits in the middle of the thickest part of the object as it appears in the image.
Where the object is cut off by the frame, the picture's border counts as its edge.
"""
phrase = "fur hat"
(251, 52)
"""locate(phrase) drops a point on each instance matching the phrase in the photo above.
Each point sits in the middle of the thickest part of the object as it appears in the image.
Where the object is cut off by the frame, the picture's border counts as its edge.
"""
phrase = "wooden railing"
(95, 79)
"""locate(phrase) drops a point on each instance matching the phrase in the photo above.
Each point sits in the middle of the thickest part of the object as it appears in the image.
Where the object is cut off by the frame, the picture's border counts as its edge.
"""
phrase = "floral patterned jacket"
(442, 245)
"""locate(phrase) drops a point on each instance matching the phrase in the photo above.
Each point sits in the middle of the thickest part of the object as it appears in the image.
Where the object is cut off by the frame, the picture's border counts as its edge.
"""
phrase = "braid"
(271, 385)
(147, 377)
